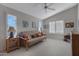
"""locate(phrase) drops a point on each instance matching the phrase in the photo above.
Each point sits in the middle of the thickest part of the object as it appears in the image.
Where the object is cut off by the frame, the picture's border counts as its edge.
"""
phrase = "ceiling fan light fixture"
(47, 7)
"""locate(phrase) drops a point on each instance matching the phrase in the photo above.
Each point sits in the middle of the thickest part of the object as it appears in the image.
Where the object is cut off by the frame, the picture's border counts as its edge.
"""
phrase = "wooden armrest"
(21, 37)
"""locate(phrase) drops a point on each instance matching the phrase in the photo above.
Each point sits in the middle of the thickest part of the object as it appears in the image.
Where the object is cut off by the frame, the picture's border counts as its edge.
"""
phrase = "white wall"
(66, 16)
(20, 17)
(78, 19)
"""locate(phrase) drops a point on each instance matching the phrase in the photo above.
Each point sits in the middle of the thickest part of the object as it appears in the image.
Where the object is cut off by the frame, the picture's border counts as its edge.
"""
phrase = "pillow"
(39, 34)
(43, 33)
(32, 36)
(25, 35)
(20, 34)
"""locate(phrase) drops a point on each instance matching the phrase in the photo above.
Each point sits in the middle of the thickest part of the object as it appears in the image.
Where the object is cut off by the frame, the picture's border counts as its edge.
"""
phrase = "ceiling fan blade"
(45, 7)
(50, 4)
(45, 4)
(51, 9)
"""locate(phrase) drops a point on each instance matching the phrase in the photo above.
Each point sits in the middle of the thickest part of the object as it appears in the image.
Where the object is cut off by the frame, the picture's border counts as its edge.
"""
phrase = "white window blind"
(59, 27)
(52, 27)
(56, 27)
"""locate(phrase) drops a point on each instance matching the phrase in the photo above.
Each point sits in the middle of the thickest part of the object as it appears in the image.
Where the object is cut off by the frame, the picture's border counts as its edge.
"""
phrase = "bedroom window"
(11, 22)
(56, 27)
(51, 27)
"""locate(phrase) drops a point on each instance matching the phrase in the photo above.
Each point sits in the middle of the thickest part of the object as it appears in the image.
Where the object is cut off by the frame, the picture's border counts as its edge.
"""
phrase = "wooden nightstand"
(12, 44)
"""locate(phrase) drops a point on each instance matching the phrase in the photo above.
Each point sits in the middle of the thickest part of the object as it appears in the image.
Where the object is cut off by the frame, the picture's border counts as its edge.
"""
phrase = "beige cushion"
(35, 40)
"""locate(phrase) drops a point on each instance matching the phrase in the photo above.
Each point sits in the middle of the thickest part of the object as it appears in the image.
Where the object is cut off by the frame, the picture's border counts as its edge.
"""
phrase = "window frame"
(7, 27)
(56, 26)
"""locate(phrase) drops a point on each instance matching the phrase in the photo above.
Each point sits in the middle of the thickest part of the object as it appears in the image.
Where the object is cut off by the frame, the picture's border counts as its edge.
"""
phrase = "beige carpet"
(49, 47)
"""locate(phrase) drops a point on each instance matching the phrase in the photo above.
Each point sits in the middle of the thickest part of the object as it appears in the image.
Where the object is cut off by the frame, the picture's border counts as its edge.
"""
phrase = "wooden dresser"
(12, 44)
(75, 44)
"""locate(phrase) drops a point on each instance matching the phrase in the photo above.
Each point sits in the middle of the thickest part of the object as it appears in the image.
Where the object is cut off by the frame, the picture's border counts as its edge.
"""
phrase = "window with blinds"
(56, 27)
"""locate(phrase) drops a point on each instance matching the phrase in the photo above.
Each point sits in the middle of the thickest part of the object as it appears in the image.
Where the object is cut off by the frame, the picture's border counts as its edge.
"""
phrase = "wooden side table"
(12, 44)
(24, 42)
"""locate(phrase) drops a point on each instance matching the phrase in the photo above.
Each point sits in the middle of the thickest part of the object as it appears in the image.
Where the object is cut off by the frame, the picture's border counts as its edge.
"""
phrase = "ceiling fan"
(47, 7)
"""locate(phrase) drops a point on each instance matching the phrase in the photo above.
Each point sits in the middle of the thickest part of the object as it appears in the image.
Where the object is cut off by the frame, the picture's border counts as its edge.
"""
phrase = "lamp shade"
(11, 29)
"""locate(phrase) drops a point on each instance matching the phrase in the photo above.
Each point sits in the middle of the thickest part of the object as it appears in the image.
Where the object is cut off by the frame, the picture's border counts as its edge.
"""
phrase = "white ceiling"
(37, 9)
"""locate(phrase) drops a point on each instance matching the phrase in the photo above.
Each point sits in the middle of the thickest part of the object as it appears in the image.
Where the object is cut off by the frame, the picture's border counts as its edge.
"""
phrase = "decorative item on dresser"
(67, 38)
(12, 31)
(75, 44)
(12, 44)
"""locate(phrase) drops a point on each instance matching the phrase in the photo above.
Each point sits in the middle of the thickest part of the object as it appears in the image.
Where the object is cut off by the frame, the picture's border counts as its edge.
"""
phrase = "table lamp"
(11, 30)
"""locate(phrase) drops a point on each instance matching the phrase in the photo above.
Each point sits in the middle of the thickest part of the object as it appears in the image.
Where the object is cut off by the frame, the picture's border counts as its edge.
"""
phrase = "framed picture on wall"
(25, 23)
(45, 26)
(69, 25)
(33, 25)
